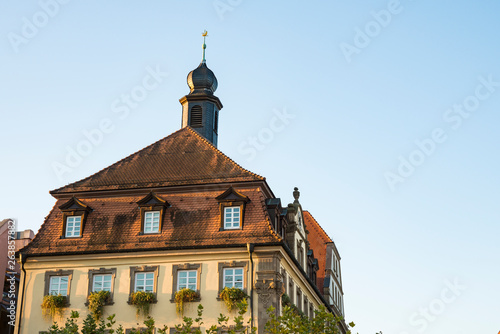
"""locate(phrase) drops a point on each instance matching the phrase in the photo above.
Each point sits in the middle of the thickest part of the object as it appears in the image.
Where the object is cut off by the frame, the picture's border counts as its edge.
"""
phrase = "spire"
(200, 107)
(205, 34)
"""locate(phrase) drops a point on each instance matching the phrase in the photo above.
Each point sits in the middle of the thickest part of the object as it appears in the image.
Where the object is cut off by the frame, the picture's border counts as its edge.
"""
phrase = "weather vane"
(205, 34)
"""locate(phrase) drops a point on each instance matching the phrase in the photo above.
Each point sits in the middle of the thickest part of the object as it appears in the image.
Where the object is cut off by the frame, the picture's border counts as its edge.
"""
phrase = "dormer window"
(74, 216)
(232, 217)
(152, 211)
(152, 222)
(73, 226)
(232, 209)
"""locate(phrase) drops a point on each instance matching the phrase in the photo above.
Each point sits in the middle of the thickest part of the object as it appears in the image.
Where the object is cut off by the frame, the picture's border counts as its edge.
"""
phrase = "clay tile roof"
(314, 227)
(192, 221)
(182, 158)
(317, 241)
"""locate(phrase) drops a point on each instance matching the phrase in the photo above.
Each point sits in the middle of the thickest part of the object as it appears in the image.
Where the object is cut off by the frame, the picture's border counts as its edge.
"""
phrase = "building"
(176, 214)
(10, 241)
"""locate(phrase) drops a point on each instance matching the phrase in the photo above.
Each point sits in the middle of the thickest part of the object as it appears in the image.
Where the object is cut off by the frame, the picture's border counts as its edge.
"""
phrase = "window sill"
(105, 304)
(130, 302)
(193, 301)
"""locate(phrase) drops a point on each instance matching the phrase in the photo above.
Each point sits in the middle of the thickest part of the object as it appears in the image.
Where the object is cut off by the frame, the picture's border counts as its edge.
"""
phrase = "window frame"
(146, 212)
(198, 112)
(231, 198)
(103, 281)
(60, 291)
(68, 217)
(186, 266)
(102, 271)
(58, 273)
(188, 271)
(298, 302)
(151, 203)
(73, 208)
(145, 279)
(233, 276)
(232, 208)
(232, 265)
(143, 269)
(291, 290)
(305, 308)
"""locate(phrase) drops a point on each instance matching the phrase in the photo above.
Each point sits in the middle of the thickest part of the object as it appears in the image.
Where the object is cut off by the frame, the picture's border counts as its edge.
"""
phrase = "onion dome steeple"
(202, 80)
(200, 108)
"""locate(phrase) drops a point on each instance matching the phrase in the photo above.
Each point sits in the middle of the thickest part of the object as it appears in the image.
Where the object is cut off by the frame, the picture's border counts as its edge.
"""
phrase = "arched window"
(196, 117)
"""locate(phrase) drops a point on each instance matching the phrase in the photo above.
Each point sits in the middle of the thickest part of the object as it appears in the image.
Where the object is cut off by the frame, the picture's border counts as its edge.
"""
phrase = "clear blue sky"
(393, 139)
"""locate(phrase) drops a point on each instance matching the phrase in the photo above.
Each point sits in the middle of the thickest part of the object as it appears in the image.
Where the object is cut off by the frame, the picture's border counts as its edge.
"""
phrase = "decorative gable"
(74, 205)
(74, 217)
(232, 209)
(231, 195)
(152, 211)
(152, 200)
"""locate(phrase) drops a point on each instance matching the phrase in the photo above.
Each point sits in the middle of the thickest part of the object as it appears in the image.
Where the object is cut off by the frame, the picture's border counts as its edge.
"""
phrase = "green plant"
(239, 326)
(183, 296)
(232, 296)
(52, 305)
(142, 301)
(285, 300)
(97, 300)
(90, 326)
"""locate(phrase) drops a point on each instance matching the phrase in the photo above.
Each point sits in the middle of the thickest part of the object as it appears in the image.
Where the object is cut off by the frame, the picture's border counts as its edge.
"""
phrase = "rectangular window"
(232, 217)
(187, 279)
(152, 222)
(298, 302)
(73, 224)
(144, 281)
(102, 283)
(58, 285)
(233, 278)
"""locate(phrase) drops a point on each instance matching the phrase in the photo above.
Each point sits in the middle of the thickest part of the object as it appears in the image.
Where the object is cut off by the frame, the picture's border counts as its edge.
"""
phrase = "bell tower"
(200, 108)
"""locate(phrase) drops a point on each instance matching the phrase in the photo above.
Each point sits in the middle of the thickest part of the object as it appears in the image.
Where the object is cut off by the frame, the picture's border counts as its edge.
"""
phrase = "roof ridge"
(317, 224)
(222, 153)
(117, 162)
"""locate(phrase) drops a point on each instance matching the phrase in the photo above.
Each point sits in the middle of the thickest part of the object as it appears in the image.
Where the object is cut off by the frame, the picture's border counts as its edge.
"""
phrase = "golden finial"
(204, 34)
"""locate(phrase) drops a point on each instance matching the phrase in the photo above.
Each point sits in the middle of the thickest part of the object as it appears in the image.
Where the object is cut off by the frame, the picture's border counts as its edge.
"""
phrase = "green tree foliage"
(294, 322)
(290, 322)
(90, 326)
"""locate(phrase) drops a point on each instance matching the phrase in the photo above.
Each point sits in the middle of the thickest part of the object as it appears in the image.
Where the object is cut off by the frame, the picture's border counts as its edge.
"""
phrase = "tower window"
(196, 117)
(216, 120)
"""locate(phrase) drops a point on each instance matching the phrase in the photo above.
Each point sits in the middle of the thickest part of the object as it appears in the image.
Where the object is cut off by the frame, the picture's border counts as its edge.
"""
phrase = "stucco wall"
(163, 312)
